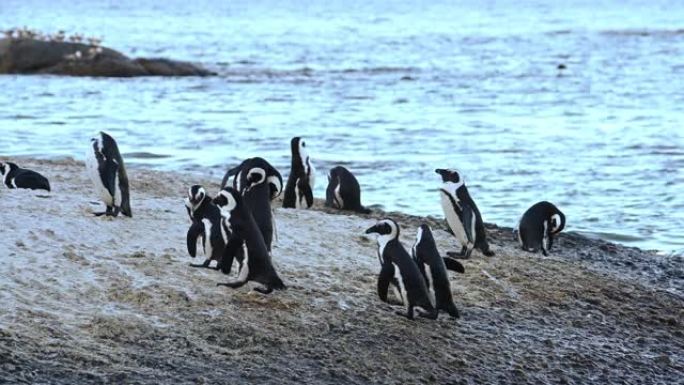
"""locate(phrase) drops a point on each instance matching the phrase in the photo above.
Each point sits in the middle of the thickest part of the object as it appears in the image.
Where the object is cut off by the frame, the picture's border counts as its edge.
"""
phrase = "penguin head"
(255, 176)
(196, 194)
(299, 151)
(227, 200)
(557, 222)
(6, 167)
(449, 175)
(386, 227)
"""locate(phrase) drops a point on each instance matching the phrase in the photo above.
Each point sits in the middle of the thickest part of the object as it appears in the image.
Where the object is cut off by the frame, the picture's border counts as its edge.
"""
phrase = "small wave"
(644, 32)
(609, 236)
(146, 155)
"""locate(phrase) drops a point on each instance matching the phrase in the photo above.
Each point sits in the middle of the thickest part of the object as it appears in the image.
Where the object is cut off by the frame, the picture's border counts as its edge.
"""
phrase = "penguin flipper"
(233, 171)
(233, 284)
(384, 280)
(469, 219)
(305, 190)
(194, 232)
(453, 265)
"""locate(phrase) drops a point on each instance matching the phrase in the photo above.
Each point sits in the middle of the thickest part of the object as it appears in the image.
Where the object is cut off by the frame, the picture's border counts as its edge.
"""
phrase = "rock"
(31, 56)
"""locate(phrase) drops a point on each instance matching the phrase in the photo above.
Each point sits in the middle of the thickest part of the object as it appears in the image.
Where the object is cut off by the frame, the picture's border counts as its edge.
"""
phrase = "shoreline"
(97, 299)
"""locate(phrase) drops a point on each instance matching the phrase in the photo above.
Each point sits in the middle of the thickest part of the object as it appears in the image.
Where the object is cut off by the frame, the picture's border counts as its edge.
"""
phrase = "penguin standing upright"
(300, 183)
(207, 226)
(15, 177)
(259, 183)
(538, 225)
(343, 191)
(434, 269)
(399, 269)
(462, 215)
(257, 265)
(107, 171)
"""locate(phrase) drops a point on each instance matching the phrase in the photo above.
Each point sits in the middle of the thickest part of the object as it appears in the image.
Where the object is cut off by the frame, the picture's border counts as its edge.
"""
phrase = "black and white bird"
(462, 215)
(257, 265)
(302, 178)
(538, 226)
(15, 177)
(400, 270)
(107, 171)
(208, 227)
(343, 191)
(434, 270)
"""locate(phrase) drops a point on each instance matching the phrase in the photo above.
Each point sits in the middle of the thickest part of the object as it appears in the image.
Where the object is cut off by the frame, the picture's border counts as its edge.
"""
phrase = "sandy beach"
(101, 300)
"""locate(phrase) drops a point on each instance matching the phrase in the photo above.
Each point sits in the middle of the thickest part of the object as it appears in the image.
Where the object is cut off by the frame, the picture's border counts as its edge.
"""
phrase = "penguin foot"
(428, 314)
(455, 255)
(202, 265)
(408, 314)
(454, 265)
(263, 290)
(99, 214)
(232, 284)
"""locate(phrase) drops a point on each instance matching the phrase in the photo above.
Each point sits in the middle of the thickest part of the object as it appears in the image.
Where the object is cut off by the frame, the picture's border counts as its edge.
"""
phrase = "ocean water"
(392, 90)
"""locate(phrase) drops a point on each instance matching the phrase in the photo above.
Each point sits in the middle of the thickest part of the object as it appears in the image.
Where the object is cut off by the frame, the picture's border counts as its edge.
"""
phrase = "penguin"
(462, 215)
(434, 269)
(257, 265)
(15, 177)
(300, 183)
(207, 226)
(538, 225)
(343, 191)
(107, 171)
(259, 183)
(273, 177)
(399, 269)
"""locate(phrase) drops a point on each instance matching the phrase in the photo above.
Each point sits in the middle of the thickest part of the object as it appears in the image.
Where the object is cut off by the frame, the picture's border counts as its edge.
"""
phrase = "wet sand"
(101, 300)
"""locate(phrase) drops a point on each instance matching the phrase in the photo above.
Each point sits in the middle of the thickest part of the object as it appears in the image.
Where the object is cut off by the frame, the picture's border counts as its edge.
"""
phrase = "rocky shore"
(28, 55)
(98, 300)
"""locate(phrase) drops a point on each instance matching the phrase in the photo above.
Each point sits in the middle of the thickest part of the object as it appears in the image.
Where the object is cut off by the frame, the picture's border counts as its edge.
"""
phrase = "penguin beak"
(371, 230)
(440, 171)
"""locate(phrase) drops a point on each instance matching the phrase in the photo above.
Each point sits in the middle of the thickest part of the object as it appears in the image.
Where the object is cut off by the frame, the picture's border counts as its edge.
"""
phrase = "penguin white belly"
(545, 239)
(244, 270)
(430, 282)
(298, 198)
(453, 220)
(117, 192)
(338, 196)
(208, 248)
(402, 288)
(92, 166)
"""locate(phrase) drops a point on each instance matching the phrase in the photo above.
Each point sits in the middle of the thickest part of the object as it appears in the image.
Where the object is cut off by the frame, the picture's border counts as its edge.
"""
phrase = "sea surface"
(392, 90)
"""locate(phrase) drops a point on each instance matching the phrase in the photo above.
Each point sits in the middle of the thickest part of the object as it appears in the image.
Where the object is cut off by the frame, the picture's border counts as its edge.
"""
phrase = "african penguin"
(462, 215)
(343, 191)
(273, 177)
(399, 269)
(257, 265)
(434, 269)
(259, 183)
(300, 183)
(538, 225)
(107, 171)
(208, 227)
(15, 177)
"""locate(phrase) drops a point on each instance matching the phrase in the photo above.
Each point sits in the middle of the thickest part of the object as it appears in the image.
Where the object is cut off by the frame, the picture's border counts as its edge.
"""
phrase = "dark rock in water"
(31, 56)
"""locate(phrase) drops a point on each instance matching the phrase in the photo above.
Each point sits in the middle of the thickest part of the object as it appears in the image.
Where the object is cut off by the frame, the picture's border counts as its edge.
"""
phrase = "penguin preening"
(538, 225)
(434, 270)
(257, 265)
(15, 177)
(239, 174)
(300, 182)
(399, 269)
(462, 215)
(343, 191)
(107, 171)
(208, 227)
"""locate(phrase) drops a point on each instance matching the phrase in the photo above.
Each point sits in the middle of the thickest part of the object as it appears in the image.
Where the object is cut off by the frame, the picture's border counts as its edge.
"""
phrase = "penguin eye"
(303, 144)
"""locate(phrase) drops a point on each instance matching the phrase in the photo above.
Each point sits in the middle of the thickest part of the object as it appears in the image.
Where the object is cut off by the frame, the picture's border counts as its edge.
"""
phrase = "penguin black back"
(399, 269)
(343, 191)
(538, 226)
(258, 266)
(16, 177)
(300, 182)
(434, 269)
